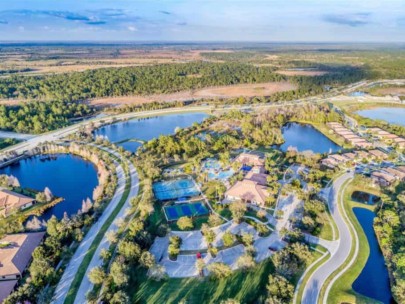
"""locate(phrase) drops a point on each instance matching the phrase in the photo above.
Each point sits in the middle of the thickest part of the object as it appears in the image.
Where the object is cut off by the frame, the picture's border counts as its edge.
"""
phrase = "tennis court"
(174, 189)
(173, 213)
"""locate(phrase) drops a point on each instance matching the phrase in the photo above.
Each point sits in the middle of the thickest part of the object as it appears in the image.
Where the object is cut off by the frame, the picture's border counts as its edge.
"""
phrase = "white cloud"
(132, 28)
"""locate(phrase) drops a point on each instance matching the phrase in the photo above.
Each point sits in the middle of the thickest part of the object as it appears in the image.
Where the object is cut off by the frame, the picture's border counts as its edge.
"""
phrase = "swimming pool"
(214, 169)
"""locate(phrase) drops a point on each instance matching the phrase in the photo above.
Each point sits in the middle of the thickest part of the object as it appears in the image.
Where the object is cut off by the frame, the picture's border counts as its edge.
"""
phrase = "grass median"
(74, 287)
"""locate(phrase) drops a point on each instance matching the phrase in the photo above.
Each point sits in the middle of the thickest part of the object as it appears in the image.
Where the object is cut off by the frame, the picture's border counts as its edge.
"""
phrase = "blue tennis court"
(173, 213)
(175, 189)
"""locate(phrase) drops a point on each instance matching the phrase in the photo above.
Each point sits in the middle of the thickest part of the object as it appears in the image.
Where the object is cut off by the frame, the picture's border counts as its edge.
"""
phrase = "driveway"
(341, 251)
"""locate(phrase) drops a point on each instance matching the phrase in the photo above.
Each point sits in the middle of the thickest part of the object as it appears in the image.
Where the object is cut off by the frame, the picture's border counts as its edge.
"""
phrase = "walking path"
(340, 252)
(86, 285)
(72, 268)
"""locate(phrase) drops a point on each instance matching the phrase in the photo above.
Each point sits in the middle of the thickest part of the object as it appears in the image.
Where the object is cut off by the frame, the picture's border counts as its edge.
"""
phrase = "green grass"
(341, 291)
(74, 287)
(327, 229)
(245, 287)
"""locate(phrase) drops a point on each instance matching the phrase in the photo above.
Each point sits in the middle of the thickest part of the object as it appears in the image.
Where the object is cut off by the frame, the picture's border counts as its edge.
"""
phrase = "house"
(362, 154)
(398, 174)
(330, 163)
(350, 156)
(6, 288)
(338, 158)
(401, 168)
(248, 191)
(258, 175)
(11, 201)
(378, 154)
(363, 144)
(382, 178)
(250, 159)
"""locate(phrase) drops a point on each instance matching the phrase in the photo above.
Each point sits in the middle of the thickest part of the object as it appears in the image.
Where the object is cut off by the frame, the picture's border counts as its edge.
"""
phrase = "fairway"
(173, 213)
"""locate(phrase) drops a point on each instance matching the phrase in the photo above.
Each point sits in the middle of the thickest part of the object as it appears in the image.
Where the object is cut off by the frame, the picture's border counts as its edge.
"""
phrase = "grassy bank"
(341, 291)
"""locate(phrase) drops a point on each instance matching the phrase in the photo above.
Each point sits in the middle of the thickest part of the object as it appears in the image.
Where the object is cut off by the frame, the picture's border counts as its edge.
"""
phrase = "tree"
(280, 288)
(111, 236)
(118, 273)
(261, 214)
(247, 239)
(157, 273)
(245, 261)
(48, 194)
(200, 265)
(208, 233)
(185, 223)
(97, 275)
(238, 210)
(219, 270)
(40, 197)
(228, 239)
(129, 250)
(214, 220)
(105, 255)
(147, 260)
(262, 229)
(120, 297)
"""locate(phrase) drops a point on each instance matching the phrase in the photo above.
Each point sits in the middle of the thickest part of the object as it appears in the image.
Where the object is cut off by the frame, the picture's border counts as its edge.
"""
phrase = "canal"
(373, 281)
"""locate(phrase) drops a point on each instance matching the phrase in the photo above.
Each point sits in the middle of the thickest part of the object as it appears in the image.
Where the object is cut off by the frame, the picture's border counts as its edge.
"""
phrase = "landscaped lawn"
(245, 287)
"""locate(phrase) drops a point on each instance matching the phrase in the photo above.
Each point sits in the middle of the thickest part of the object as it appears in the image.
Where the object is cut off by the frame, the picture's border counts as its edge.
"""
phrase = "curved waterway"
(392, 115)
(66, 175)
(147, 128)
(305, 137)
(373, 280)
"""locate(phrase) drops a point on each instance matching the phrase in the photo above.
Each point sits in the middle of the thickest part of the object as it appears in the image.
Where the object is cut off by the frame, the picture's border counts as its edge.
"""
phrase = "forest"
(37, 117)
(142, 80)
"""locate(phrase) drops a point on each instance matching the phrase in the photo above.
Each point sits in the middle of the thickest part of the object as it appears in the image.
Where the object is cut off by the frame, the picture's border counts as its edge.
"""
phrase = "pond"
(305, 137)
(373, 280)
(391, 115)
(365, 198)
(147, 128)
(66, 175)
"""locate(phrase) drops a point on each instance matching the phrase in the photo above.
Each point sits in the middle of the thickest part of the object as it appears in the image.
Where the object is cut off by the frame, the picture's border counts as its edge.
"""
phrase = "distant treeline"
(38, 117)
(143, 80)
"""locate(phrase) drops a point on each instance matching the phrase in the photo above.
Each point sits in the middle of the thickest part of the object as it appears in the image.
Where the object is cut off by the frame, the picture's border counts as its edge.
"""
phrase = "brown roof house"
(249, 191)
(11, 201)
(15, 255)
(382, 178)
(250, 159)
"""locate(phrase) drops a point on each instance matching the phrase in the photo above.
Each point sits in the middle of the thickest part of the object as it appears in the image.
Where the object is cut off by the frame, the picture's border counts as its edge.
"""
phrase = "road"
(338, 257)
(15, 135)
(74, 264)
(86, 285)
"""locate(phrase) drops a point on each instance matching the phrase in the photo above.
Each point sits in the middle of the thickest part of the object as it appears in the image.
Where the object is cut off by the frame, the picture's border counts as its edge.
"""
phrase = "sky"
(203, 20)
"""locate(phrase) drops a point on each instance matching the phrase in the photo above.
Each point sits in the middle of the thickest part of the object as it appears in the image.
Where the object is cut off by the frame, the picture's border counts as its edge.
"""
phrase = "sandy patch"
(246, 90)
(390, 91)
(301, 73)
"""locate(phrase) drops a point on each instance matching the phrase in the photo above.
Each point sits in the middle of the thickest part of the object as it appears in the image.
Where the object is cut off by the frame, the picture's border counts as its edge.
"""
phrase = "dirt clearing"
(301, 73)
(246, 90)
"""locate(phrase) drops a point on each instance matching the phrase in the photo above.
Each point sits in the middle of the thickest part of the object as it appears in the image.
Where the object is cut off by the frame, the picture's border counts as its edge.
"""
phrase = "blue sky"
(208, 20)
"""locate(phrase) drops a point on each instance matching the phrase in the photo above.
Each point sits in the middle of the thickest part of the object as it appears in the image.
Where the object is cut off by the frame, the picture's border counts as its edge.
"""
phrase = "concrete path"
(86, 285)
(73, 266)
(317, 280)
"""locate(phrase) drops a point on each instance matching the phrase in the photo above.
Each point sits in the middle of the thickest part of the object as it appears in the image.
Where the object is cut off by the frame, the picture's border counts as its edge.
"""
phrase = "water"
(305, 137)
(147, 129)
(392, 115)
(67, 176)
(373, 281)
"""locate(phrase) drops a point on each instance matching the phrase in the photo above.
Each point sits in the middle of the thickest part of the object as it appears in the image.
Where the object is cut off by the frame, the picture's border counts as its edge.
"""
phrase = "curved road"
(69, 274)
(314, 285)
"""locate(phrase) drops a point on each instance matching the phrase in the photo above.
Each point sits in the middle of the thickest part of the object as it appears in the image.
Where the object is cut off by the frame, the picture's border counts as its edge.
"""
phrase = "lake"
(392, 115)
(305, 137)
(67, 176)
(373, 281)
(147, 128)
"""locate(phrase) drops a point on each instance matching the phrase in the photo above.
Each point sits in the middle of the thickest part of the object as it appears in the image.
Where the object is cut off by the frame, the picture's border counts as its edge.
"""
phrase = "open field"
(246, 90)
(301, 73)
(389, 91)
